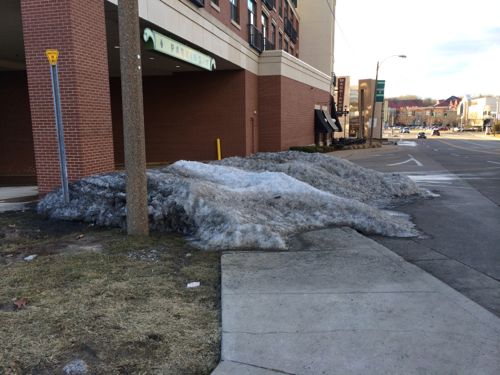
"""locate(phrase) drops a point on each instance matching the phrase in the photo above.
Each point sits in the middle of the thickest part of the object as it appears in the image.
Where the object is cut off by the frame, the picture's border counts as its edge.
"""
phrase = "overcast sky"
(453, 46)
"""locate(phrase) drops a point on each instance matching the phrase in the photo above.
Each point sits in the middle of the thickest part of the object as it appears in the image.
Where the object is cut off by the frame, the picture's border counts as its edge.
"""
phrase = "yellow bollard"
(218, 149)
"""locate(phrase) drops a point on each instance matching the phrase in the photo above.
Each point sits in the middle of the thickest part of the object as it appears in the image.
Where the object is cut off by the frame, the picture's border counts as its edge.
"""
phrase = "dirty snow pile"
(248, 202)
(334, 175)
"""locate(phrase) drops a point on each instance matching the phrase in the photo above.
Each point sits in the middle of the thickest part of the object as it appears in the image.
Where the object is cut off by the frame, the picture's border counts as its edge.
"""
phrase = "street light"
(375, 92)
(345, 112)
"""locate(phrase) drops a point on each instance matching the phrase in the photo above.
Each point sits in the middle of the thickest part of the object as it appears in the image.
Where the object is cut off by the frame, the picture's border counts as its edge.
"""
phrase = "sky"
(452, 46)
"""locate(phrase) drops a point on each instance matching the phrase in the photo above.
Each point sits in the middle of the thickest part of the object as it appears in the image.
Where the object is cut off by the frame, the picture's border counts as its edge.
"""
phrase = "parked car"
(435, 132)
(421, 135)
(405, 130)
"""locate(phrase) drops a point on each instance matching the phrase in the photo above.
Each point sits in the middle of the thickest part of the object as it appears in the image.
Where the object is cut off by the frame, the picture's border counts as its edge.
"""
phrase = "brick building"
(414, 112)
(260, 97)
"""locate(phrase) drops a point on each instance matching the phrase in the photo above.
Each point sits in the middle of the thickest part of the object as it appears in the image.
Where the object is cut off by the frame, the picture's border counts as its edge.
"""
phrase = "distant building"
(478, 112)
(366, 91)
(394, 110)
(342, 100)
(414, 112)
(353, 126)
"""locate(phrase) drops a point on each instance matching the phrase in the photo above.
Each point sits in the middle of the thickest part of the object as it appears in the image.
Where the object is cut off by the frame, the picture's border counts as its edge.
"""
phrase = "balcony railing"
(268, 45)
(294, 35)
(255, 38)
(270, 4)
(291, 31)
(198, 3)
(288, 27)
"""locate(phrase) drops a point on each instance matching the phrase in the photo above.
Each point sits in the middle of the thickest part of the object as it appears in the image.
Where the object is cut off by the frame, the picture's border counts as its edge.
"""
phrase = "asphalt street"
(460, 242)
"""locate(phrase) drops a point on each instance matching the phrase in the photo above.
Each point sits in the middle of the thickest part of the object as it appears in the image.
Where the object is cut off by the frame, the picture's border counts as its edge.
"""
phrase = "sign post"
(52, 56)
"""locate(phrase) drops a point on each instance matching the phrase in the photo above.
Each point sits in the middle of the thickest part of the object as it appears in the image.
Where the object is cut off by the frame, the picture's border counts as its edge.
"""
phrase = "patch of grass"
(119, 303)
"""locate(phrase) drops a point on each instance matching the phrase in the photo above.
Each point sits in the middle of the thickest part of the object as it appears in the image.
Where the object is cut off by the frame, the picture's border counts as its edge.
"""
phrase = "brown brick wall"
(17, 156)
(223, 14)
(270, 113)
(77, 29)
(297, 112)
(286, 112)
(251, 113)
(185, 113)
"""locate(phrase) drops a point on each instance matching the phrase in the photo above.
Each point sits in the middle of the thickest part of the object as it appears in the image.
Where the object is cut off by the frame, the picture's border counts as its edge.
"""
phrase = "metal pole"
(54, 74)
(345, 119)
(344, 122)
(133, 118)
(373, 107)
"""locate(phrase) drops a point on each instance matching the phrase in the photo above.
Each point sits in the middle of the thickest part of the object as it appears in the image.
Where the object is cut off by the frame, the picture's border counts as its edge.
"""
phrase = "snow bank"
(246, 202)
(334, 175)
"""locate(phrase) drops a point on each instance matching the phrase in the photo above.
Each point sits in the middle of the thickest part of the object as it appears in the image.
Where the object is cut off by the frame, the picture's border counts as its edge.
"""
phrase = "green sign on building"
(379, 91)
(171, 47)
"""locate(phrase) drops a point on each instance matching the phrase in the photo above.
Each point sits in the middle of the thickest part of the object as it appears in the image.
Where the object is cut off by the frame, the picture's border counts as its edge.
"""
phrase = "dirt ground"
(120, 304)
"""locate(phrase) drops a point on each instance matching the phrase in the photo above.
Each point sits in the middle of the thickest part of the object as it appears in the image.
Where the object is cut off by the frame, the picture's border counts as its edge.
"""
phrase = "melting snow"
(433, 178)
(249, 202)
(407, 143)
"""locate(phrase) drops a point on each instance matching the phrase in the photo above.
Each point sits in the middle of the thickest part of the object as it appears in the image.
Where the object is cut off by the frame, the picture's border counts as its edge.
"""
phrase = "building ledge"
(278, 62)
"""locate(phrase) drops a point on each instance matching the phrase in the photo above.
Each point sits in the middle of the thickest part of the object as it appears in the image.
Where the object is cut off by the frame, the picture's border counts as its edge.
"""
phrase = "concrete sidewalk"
(339, 303)
(16, 198)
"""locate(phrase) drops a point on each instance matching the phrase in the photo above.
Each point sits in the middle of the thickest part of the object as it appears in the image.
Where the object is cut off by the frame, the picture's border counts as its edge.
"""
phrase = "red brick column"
(77, 29)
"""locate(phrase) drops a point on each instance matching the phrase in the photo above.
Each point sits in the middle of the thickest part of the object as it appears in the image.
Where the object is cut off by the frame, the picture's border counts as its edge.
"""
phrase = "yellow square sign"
(52, 55)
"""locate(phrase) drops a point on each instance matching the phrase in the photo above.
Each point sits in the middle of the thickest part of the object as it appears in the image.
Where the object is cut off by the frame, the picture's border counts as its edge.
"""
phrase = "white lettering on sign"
(171, 47)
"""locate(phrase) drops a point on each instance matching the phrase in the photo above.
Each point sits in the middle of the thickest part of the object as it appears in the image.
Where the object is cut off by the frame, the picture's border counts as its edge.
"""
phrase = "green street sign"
(379, 91)
(168, 46)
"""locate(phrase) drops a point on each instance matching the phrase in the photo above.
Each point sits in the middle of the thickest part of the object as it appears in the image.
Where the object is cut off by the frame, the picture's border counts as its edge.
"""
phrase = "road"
(460, 242)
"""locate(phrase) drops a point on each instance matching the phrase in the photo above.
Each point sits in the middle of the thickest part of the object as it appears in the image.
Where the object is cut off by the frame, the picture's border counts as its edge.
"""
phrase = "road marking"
(493, 162)
(407, 161)
(468, 148)
(435, 186)
(454, 154)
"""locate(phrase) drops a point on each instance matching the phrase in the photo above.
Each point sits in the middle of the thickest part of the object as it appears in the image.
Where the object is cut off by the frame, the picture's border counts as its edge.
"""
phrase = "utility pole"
(133, 118)
(373, 105)
(372, 122)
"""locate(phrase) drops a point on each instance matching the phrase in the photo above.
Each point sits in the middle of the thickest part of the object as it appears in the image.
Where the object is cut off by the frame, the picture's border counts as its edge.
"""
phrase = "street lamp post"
(345, 113)
(374, 93)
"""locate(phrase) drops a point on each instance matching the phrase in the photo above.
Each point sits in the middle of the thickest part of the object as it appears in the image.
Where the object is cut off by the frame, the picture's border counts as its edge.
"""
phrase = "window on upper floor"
(280, 40)
(235, 10)
(199, 3)
(270, 4)
(216, 2)
(280, 8)
(252, 17)
(265, 23)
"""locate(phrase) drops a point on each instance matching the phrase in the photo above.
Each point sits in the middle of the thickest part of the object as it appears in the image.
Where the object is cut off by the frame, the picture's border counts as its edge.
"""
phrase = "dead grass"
(119, 303)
